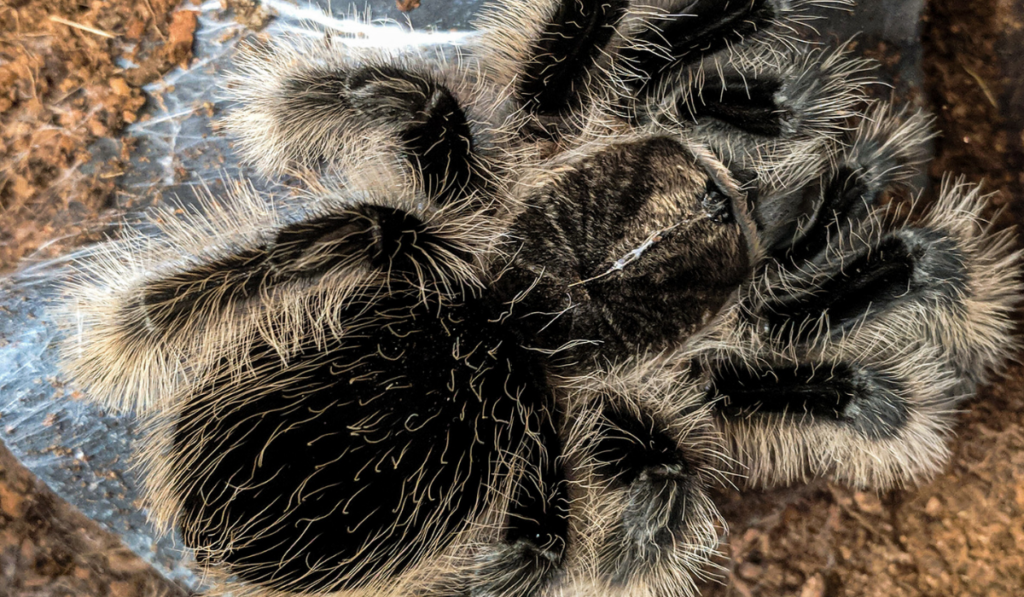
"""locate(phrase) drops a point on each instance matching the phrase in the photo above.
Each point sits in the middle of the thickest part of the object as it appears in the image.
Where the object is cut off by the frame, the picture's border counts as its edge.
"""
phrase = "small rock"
(814, 587)
(868, 502)
(119, 86)
(180, 37)
(97, 128)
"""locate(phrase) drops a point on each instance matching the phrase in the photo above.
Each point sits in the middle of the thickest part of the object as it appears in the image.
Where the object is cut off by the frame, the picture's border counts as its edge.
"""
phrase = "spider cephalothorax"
(535, 299)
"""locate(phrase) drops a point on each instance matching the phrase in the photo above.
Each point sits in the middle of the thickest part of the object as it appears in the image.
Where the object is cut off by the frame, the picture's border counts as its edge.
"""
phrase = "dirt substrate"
(61, 89)
(49, 549)
(961, 534)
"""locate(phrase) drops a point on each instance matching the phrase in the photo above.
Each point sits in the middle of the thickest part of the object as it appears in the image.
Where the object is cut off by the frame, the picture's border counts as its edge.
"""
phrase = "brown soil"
(407, 5)
(61, 90)
(49, 549)
(961, 534)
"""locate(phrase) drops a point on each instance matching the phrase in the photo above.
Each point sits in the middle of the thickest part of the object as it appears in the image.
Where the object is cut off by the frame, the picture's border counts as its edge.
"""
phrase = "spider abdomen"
(389, 436)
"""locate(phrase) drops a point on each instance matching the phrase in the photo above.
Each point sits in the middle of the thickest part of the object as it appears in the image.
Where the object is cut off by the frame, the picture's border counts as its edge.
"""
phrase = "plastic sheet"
(83, 454)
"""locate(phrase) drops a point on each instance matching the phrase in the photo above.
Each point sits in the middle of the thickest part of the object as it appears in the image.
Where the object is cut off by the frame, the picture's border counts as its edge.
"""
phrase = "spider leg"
(881, 154)
(680, 35)
(529, 551)
(643, 447)
(561, 56)
(372, 236)
(746, 104)
(558, 70)
(159, 308)
(554, 55)
(945, 283)
(852, 352)
(325, 107)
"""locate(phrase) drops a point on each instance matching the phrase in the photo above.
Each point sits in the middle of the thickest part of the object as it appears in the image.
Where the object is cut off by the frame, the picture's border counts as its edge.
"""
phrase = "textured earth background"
(62, 87)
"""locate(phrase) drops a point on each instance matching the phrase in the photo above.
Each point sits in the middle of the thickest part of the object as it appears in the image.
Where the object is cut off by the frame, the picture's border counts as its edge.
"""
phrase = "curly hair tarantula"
(535, 299)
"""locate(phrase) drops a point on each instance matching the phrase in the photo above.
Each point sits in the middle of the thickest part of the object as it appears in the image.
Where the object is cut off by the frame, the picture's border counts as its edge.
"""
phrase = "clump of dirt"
(62, 87)
(250, 13)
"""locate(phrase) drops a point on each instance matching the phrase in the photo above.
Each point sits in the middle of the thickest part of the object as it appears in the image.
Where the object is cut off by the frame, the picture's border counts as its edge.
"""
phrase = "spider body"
(586, 232)
(536, 301)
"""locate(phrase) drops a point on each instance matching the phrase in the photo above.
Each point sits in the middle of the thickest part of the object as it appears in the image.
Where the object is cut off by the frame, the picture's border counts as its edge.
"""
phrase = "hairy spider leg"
(374, 236)
(856, 347)
(667, 496)
(312, 110)
(642, 443)
(686, 32)
(560, 65)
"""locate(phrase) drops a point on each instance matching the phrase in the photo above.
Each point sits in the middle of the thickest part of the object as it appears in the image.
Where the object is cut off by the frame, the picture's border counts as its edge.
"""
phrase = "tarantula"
(531, 301)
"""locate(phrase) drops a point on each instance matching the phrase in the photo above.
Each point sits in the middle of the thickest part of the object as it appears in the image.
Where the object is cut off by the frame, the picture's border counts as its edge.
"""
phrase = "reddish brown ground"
(961, 534)
(61, 90)
(49, 549)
